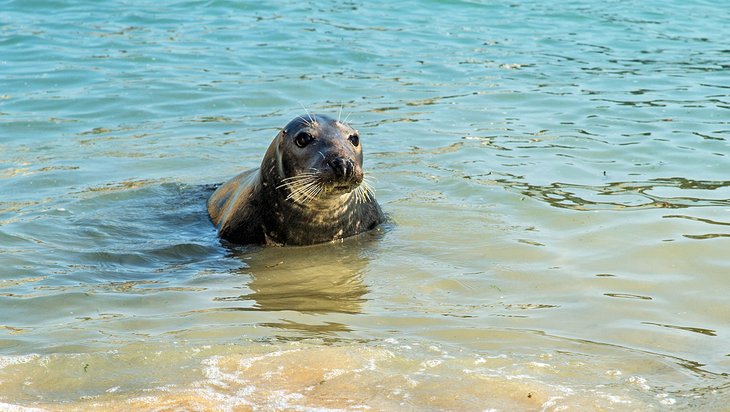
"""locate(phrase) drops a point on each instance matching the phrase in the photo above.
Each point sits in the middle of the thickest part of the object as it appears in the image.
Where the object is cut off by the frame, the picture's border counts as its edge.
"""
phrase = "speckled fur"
(254, 207)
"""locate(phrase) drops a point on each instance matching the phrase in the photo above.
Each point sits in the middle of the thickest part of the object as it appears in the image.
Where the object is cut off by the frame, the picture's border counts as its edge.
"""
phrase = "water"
(556, 174)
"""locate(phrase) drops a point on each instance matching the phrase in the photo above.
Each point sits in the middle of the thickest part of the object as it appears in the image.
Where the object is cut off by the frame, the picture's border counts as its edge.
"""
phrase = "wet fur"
(293, 198)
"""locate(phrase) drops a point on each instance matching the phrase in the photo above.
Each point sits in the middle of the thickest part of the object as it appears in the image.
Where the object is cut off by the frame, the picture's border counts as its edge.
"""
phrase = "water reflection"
(708, 332)
(654, 193)
(318, 279)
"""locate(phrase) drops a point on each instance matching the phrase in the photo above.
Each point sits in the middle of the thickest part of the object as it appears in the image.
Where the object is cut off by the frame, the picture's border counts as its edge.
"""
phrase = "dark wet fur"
(259, 206)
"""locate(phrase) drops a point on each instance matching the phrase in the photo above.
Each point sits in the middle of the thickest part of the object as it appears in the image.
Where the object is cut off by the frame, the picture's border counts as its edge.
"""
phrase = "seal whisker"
(300, 176)
(295, 183)
(312, 172)
(299, 187)
(369, 178)
(320, 189)
(309, 192)
(364, 192)
(297, 177)
(303, 187)
(289, 201)
(307, 122)
(298, 193)
(356, 193)
(311, 123)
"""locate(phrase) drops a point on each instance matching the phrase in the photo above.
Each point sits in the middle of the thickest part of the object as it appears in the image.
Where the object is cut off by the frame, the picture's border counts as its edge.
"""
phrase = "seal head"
(318, 158)
(310, 189)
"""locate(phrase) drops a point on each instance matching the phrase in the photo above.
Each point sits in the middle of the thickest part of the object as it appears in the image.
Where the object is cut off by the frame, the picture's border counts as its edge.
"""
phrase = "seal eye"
(303, 139)
(354, 139)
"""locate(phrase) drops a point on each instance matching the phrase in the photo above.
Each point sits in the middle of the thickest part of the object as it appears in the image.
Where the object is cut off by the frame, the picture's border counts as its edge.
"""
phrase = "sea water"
(556, 177)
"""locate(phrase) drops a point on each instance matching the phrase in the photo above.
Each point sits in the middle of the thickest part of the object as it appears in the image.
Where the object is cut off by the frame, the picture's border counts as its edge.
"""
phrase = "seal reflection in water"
(309, 189)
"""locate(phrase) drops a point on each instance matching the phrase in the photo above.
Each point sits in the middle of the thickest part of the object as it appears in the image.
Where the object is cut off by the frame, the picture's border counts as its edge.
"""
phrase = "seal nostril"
(350, 168)
(338, 166)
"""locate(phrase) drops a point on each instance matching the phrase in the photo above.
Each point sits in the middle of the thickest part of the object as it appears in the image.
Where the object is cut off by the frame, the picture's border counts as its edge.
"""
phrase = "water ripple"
(522, 148)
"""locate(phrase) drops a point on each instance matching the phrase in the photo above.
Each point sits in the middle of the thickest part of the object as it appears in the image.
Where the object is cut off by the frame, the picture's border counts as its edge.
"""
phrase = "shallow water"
(556, 177)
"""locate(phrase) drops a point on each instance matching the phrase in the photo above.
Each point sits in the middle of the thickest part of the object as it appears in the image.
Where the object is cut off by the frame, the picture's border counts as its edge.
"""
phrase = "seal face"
(309, 189)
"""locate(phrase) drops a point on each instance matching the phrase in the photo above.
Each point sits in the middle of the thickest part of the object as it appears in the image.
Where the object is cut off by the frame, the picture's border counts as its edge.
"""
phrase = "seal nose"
(342, 168)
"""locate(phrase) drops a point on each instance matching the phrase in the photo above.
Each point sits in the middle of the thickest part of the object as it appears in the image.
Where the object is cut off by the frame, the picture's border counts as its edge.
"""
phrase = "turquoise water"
(556, 175)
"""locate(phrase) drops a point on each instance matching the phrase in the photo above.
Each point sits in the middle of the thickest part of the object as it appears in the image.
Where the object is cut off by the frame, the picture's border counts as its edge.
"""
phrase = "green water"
(556, 175)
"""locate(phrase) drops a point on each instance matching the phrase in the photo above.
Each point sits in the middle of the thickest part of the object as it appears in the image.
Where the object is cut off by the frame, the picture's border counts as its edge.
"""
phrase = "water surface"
(556, 176)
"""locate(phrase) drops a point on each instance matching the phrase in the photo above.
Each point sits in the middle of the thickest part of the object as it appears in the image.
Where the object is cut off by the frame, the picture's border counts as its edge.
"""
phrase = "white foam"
(7, 407)
(6, 361)
(615, 399)
(551, 403)
(369, 366)
(434, 348)
(640, 382)
(334, 373)
(666, 400)
(248, 362)
(216, 376)
(432, 363)
(280, 400)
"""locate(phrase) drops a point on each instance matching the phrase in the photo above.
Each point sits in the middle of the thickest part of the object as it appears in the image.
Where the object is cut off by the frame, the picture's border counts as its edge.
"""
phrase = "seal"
(310, 188)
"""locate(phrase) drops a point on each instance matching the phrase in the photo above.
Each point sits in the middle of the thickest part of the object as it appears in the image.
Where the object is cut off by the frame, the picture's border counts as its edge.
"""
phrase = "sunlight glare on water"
(555, 176)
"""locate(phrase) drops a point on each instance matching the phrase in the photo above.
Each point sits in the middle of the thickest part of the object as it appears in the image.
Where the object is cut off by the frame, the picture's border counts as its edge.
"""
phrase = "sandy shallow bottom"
(306, 377)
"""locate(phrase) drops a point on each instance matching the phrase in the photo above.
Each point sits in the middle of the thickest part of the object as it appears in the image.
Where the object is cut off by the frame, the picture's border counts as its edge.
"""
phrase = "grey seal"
(309, 189)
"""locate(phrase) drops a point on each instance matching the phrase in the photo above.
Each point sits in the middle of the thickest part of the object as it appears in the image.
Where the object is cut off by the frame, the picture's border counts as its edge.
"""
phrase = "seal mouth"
(308, 186)
(343, 184)
(341, 188)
